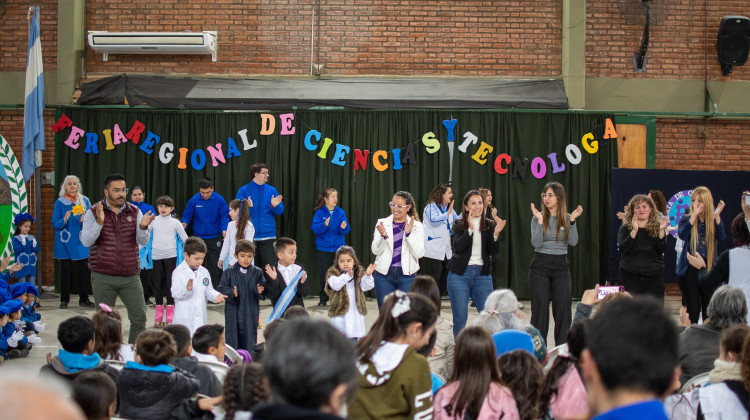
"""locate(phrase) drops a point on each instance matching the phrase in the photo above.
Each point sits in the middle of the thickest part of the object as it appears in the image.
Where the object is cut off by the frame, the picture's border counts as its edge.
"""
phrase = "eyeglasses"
(400, 206)
(550, 195)
(120, 190)
(264, 172)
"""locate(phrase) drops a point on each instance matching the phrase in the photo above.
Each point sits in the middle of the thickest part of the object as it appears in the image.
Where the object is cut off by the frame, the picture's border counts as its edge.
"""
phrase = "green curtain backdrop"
(300, 175)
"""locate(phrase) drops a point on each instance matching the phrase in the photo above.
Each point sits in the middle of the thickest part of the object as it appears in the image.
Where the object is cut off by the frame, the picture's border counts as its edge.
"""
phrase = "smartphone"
(747, 200)
(608, 290)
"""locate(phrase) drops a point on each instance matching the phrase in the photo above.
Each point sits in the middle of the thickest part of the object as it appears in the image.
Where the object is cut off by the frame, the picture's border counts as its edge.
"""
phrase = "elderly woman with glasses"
(67, 221)
(398, 244)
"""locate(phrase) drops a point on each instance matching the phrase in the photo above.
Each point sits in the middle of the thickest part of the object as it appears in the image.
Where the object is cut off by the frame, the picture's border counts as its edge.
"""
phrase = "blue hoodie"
(211, 216)
(329, 238)
(262, 213)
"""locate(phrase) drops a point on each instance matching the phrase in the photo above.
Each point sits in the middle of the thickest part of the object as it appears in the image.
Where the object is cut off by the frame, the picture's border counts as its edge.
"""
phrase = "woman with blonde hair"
(701, 230)
(642, 240)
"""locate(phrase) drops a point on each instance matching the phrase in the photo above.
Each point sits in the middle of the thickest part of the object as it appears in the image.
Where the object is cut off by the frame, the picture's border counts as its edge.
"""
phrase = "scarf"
(724, 371)
(72, 198)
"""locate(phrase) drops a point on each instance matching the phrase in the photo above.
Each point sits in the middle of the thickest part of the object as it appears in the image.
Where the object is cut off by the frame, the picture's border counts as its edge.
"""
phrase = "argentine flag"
(33, 121)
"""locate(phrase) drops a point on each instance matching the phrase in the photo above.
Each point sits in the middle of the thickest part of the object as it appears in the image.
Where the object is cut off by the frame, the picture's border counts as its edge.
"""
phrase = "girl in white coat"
(191, 287)
(398, 244)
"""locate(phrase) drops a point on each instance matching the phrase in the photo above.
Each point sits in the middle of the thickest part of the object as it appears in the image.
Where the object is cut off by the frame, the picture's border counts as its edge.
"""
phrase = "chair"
(562, 348)
(117, 364)
(697, 381)
(219, 369)
(232, 355)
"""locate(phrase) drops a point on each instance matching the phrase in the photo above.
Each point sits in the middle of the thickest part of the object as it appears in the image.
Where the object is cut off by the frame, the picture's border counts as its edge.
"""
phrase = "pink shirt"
(570, 400)
(498, 402)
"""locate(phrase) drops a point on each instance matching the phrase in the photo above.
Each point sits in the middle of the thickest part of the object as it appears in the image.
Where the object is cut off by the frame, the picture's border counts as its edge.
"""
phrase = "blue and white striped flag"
(286, 297)
(33, 121)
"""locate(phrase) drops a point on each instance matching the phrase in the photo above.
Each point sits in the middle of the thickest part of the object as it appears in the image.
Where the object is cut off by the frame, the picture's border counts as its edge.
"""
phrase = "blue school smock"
(68, 234)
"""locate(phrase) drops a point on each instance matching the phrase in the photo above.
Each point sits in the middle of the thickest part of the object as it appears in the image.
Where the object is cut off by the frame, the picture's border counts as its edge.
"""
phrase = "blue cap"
(18, 289)
(13, 305)
(4, 310)
(32, 289)
(21, 217)
(4, 295)
(509, 340)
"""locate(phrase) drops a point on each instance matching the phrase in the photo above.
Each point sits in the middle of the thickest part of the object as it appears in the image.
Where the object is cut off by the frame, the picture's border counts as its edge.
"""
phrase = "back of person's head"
(523, 374)
(576, 341)
(502, 304)
(27, 396)
(272, 328)
(107, 334)
(96, 394)
(307, 361)
(426, 350)
(205, 183)
(282, 243)
(490, 321)
(633, 344)
(398, 311)
(243, 245)
(245, 386)
(75, 333)
(294, 312)
(745, 362)
(181, 336)
(740, 231)
(475, 368)
(206, 337)
(727, 307)
(155, 347)
(426, 286)
(732, 340)
(195, 245)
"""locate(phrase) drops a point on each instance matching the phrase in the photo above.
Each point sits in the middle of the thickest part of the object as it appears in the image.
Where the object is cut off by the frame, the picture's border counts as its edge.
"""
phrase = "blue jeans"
(30, 279)
(460, 287)
(388, 283)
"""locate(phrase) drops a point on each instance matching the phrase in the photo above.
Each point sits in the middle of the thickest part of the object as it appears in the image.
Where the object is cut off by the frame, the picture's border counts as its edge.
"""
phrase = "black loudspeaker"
(733, 43)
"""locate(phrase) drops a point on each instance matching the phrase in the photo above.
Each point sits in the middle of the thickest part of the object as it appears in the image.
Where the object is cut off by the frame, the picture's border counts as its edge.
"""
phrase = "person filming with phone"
(642, 241)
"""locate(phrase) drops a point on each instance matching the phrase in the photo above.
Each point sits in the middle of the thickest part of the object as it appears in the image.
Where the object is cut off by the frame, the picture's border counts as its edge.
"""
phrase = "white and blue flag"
(33, 121)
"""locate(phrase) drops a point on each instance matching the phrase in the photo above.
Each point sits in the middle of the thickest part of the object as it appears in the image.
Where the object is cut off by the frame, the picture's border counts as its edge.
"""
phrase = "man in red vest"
(113, 229)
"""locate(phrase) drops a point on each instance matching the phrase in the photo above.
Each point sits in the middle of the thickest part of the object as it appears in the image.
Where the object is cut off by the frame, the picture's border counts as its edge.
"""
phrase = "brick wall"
(11, 128)
(353, 38)
(14, 36)
(726, 148)
(682, 47)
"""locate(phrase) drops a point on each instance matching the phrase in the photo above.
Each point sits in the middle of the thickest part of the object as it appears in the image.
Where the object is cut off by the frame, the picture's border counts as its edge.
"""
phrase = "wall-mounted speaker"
(733, 43)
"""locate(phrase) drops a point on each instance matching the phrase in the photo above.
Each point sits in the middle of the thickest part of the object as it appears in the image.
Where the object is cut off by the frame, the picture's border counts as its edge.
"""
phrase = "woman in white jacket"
(398, 244)
(438, 217)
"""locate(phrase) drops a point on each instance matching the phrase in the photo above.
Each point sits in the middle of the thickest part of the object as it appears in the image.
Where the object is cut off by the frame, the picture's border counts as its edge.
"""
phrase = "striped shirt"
(398, 236)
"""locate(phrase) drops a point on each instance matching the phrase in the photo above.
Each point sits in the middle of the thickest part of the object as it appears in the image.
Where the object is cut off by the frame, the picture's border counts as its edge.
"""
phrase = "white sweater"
(165, 229)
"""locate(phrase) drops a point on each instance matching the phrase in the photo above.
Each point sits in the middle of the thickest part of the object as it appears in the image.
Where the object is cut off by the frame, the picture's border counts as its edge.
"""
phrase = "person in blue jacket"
(25, 248)
(137, 197)
(329, 226)
(265, 203)
(67, 220)
(210, 215)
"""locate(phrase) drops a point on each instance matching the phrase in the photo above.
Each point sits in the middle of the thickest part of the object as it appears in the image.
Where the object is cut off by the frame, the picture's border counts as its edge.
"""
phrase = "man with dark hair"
(209, 343)
(630, 360)
(265, 203)
(76, 336)
(210, 384)
(210, 216)
(113, 229)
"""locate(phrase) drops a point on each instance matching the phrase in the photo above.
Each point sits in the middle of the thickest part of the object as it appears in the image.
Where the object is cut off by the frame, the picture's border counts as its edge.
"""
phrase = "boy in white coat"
(191, 287)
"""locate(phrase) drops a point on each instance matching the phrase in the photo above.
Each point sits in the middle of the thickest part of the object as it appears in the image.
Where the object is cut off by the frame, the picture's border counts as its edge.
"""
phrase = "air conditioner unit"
(153, 43)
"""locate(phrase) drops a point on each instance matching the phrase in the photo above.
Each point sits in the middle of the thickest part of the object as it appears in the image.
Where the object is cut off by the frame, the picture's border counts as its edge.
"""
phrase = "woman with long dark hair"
(329, 226)
(642, 240)
(475, 245)
(398, 244)
(552, 231)
(438, 217)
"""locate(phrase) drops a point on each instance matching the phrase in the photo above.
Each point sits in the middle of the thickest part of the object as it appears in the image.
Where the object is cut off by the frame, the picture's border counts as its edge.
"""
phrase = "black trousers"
(212, 259)
(264, 254)
(439, 271)
(163, 280)
(692, 297)
(638, 284)
(549, 281)
(325, 260)
(147, 281)
(81, 268)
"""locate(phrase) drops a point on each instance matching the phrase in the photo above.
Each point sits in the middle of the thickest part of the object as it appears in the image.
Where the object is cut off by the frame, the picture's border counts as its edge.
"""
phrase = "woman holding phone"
(552, 231)
(642, 240)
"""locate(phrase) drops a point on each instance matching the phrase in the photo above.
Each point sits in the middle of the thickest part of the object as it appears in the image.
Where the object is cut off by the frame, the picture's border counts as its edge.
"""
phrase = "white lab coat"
(437, 236)
(190, 305)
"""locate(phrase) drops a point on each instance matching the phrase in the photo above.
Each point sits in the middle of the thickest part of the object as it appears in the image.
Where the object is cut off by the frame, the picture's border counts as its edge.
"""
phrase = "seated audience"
(311, 372)
(149, 387)
(523, 375)
(268, 332)
(441, 363)
(108, 339)
(96, 394)
(31, 398)
(426, 351)
(509, 340)
(209, 344)
(76, 336)
(563, 392)
(209, 383)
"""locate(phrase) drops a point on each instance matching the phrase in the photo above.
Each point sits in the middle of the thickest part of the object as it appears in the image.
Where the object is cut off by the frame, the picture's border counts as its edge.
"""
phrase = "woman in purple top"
(398, 244)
